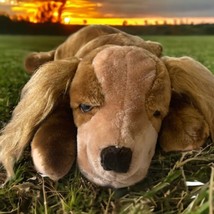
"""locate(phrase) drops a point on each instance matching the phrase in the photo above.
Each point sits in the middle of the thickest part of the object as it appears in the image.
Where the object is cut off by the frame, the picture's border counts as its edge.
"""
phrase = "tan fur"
(85, 89)
(89, 38)
(184, 128)
(55, 143)
(33, 108)
(159, 96)
(134, 96)
(120, 120)
(195, 82)
(34, 60)
(120, 39)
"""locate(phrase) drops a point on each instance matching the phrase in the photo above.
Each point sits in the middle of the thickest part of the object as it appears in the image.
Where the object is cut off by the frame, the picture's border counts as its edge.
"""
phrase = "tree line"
(7, 26)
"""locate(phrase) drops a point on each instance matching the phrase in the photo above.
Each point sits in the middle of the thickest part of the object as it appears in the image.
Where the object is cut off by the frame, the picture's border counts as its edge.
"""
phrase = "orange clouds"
(75, 8)
(119, 12)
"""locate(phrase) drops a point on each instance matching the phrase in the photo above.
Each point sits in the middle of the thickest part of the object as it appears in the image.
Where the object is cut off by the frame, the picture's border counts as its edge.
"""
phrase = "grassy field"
(166, 188)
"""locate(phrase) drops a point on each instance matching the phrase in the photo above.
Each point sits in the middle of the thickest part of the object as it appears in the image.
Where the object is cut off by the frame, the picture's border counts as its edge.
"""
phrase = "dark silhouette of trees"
(60, 10)
(50, 11)
(24, 27)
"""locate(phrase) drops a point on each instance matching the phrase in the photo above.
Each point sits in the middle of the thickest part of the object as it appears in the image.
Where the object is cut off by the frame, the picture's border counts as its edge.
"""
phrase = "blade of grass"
(211, 191)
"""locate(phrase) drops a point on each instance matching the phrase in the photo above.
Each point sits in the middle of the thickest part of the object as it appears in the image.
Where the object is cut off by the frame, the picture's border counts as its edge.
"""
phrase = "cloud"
(142, 8)
(165, 8)
(5, 8)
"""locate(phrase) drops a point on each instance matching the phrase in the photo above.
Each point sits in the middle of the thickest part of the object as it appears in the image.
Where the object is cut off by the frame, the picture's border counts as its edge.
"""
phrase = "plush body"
(114, 96)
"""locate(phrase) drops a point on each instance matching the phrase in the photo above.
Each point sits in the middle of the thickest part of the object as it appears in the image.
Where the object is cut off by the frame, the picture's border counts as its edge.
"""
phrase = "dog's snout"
(116, 159)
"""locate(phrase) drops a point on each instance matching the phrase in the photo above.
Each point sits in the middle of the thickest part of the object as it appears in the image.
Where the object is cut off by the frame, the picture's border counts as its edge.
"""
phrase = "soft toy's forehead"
(126, 69)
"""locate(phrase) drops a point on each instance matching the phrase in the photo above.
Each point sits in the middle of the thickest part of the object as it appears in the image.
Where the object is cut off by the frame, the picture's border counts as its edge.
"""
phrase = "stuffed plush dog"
(114, 96)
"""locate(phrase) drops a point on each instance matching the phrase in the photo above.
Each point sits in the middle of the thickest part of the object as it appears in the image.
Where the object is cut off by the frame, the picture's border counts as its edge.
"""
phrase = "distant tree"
(60, 10)
(181, 22)
(85, 22)
(125, 23)
(45, 12)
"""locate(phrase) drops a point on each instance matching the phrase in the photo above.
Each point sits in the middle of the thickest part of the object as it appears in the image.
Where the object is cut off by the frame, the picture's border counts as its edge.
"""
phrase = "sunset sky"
(134, 11)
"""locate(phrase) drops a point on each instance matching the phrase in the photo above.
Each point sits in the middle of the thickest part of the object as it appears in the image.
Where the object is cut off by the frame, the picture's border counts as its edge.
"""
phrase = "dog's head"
(119, 97)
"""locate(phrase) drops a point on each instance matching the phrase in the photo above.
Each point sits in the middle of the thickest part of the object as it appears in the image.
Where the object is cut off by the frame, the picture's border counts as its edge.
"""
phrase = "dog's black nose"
(116, 159)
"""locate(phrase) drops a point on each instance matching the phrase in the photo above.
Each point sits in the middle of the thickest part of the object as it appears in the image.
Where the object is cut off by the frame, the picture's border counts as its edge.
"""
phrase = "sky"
(163, 8)
(131, 8)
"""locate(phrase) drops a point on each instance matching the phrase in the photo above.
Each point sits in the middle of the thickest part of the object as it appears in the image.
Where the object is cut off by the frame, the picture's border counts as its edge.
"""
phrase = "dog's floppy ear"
(34, 60)
(39, 98)
(184, 128)
(195, 82)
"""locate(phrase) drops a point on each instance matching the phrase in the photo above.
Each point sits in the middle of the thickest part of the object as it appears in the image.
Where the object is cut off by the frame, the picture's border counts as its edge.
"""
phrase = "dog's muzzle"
(116, 159)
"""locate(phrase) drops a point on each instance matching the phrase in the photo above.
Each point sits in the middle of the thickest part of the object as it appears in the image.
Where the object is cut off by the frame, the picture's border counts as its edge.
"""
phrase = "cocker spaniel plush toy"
(113, 96)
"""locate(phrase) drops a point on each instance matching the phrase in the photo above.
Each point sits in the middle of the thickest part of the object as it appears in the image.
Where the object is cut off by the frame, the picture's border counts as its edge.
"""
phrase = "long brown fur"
(39, 97)
(184, 128)
(53, 146)
(194, 84)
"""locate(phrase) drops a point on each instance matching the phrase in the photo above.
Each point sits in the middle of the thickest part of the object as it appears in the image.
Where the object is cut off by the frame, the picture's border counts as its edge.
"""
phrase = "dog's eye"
(85, 107)
(157, 113)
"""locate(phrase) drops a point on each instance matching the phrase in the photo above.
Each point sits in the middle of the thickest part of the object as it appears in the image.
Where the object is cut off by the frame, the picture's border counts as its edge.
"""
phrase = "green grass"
(164, 190)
